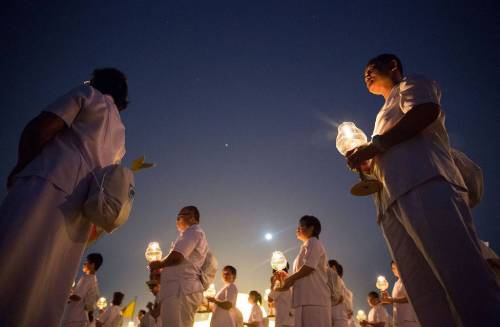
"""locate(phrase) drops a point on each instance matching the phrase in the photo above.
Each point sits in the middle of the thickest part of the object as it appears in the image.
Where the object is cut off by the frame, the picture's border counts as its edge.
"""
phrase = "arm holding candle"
(412, 123)
(304, 271)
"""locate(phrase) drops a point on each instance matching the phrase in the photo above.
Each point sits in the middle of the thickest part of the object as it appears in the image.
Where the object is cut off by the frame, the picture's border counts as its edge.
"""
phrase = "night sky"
(230, 100)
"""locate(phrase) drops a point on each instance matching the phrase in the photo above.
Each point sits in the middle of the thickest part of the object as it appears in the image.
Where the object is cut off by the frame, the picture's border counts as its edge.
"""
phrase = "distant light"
(226, 145)
(268, 236)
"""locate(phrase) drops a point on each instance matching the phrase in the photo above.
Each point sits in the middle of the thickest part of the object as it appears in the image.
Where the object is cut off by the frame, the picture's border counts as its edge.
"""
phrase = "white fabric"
(42, 225)
(111, 317)
(419, 159)
(312, 289)
(77, 311)
(179, 310)
(222, 317)
(185, 277)
(237, 316)
(313, 316)
(41, 217)
(401, 312)
(432, 239)
(256, 315)
(95, 120)
(378, 314)
(283, 308)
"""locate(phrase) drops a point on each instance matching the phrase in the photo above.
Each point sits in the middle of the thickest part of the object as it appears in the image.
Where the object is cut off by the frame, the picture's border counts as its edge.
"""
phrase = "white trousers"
(339, 315)
(42, 239)
(179, 310)
(313, 316)
(431, 237)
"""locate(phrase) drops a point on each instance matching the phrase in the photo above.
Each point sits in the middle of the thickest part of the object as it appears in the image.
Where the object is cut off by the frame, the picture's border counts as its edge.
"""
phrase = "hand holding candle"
(349, 138)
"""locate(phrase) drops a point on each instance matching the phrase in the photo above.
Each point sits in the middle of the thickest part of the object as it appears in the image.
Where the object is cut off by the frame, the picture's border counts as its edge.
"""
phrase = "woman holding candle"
(311, 295)
(225, 300)
(282, 301)
(402, 311)
(423, 199)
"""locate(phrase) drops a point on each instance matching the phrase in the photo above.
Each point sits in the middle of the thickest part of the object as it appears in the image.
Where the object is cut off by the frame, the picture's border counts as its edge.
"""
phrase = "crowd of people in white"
(423, 210)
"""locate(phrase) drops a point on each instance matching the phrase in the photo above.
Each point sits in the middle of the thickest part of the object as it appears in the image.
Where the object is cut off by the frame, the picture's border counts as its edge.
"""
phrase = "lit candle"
(101, 304)
(350, 137)
(278, 261)
(382, 284)
(211, 291)
(361, 315)
(153, 252)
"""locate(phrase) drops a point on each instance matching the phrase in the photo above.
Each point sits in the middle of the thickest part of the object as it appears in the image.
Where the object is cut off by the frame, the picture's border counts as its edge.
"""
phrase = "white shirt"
(96, 130)
(185, 277)
(111, 317)
(413, 162)
(283, 306)
(401, 312)
(256, 315)
(88, 291)
(312, 289)
(378, 314)
(222, 317)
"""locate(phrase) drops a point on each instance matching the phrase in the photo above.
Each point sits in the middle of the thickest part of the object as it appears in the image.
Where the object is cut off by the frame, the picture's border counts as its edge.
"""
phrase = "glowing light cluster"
(153, 252)
(361, 315)
(101, 304)
(382, 284)
(278, 261)
(349, 137)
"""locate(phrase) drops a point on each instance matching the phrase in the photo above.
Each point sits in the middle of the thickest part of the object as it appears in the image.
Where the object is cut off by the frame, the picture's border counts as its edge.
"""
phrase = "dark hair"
(334, 263)
(113, 82)
(311, 221)
(195, 211)
(231, 269)
(383, 62)
(142, 311)
(374, 295)
(96, 259)
(118, 298)
(257, 296)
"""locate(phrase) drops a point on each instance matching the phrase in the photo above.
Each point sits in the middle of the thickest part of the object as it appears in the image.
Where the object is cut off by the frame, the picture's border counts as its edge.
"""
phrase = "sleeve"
(82, 288)
(313, 253)
(232, 294)
(415, 91)
(91, 297)
(69, 105)
(186, 243)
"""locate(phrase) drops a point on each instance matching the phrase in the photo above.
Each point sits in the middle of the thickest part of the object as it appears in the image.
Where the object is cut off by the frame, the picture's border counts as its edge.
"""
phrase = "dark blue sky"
(258, 76)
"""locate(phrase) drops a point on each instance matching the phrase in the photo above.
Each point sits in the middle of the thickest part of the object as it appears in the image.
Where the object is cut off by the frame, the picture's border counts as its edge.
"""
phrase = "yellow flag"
(128, 311)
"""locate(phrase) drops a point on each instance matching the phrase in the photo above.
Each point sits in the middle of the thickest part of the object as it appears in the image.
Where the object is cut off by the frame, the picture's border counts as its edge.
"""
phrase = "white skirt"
(43, 236)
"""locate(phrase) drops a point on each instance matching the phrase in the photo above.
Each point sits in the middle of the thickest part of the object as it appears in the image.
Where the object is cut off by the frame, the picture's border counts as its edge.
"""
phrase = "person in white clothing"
(148, 319)
(342, 310)
(424, 198)
(43, 231)
(403, 314)
(378, 316)
(182, 291)
(311, 295)
(81, 302)
(256, 318)
(282, 301)
(225, 300)
(112, 316)
(155, 308)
